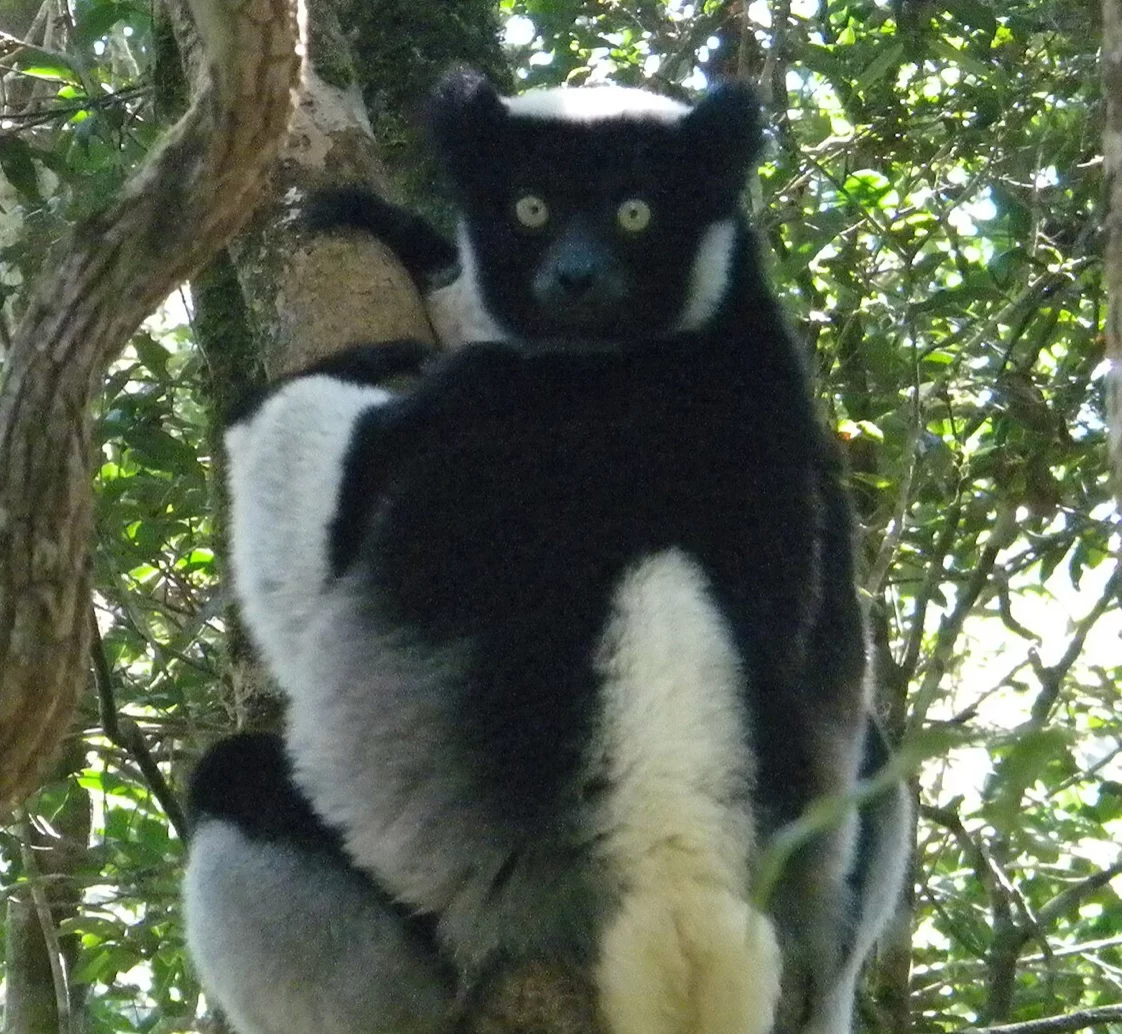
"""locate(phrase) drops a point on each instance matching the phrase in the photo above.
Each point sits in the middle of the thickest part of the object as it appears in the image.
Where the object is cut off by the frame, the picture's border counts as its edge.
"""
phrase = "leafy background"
(931, 206)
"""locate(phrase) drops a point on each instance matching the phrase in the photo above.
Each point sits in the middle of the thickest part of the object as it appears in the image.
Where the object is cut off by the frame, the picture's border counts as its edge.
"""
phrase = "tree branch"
(935, 571)
(1111, 63)
(1003, 532)
(192, 194)
(1070, 897)
(1052, 677)
(126, 734)
(985, 870)
(1055, 1024)
(886, 554)
(46, 926)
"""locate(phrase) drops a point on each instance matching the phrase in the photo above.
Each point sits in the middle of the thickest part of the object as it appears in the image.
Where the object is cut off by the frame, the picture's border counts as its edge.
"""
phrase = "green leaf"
(19, 167)
(1086, 553)
(860, 429)
(814, 128)
(939, 357)
(93, 930)
(890, 55)
(52, 72)
(974, 14)
(961, 57)
(96, 19)
(92, 966)
(825, 62)
(152, 355)
(1018, 770)
(867, 186)
(159, 449)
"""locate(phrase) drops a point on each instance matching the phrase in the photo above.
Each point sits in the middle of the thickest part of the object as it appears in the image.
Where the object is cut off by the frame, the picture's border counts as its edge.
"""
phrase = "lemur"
(569, 627)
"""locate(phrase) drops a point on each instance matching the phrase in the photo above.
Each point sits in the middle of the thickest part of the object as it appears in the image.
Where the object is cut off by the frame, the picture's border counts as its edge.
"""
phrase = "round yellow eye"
(634, 215)
(531, 211)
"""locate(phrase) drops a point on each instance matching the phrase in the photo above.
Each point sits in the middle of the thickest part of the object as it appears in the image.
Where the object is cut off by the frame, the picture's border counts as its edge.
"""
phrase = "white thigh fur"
(686, 953)
(457, 311)
(290, 943)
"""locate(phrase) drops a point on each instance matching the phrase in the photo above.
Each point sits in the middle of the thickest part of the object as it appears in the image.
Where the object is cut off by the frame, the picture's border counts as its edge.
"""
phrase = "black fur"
(470, 539)
(427, 255)
(360, 364)
(246, 780)
(583, 171)
(502, 500)
(523, 484)
(876, 756)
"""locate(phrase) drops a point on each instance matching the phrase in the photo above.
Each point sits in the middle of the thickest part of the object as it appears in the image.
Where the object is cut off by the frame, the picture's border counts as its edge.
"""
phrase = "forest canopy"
(931, 206)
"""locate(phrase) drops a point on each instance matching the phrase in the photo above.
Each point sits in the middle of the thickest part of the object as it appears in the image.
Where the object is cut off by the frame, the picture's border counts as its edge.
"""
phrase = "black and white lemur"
(569, 628)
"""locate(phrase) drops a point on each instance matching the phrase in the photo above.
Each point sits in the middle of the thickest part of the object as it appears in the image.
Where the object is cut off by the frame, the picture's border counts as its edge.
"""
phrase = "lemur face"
(596, 213)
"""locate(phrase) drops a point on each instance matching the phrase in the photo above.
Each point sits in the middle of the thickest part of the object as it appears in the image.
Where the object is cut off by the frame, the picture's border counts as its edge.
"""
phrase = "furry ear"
(465, 115)
(726, 124)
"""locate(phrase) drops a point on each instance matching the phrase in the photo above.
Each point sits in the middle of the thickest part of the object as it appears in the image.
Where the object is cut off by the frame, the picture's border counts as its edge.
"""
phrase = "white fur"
(709, 277)
(686, 953)
(457, 311)
(285, 944)
(369, 737)
(591, 103)
(285, 472)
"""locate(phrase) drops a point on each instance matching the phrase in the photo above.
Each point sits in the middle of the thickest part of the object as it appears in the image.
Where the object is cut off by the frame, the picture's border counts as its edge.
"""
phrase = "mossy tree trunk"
(1112, 150)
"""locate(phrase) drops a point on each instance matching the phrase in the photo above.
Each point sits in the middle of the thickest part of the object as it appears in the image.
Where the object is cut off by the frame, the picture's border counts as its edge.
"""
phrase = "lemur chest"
(538, 518)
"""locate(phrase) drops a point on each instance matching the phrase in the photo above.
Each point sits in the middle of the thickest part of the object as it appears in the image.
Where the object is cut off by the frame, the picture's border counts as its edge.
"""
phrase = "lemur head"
(599, 212)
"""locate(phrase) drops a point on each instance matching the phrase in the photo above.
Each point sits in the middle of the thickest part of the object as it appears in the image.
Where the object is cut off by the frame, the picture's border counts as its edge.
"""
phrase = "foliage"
(931, 202)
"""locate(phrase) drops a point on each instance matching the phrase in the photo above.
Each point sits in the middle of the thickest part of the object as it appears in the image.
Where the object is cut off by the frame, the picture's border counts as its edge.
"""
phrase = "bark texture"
(535, 998)
(187, 200)
(1112, 151)
(231, 371)
(310, 295)
(39, 958)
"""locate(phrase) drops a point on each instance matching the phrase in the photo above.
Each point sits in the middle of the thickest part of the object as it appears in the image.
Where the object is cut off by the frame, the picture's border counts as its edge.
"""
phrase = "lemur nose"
(576, 282)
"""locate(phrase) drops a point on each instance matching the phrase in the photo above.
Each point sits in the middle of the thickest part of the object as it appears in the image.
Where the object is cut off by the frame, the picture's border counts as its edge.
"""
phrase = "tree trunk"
(29, 1005)
(282, 298)
(1112, 272)
(39, 960)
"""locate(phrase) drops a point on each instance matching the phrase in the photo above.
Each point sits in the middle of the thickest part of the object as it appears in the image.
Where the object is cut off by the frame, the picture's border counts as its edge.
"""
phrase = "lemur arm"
(359, 364)
(427, 255)
(307, 459)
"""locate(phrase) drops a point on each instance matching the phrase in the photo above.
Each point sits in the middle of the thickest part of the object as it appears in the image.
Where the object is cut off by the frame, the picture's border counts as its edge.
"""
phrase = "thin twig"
(1002, 534)
(46, 925)
(935, 571)
(1051, 677)
(895, 533)
(932, 973)
(126, 734)
(1055, 1024)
